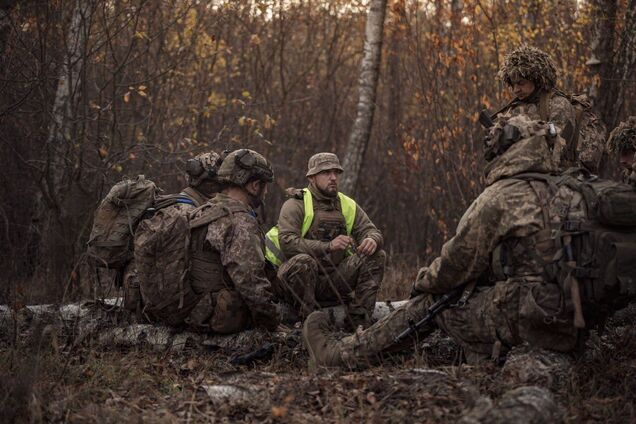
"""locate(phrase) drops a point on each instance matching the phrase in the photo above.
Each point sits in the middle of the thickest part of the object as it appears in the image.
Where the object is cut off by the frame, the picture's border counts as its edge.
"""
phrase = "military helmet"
(323, 162)
(204, 167)
(529, 63)
(243, 165)
(623, 137)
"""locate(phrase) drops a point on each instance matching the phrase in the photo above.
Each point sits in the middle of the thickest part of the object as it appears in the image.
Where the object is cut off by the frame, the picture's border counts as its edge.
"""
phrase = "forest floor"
(46, 382)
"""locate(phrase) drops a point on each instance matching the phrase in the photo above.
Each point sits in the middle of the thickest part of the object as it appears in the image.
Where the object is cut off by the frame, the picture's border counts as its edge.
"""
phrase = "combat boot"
(325, 350)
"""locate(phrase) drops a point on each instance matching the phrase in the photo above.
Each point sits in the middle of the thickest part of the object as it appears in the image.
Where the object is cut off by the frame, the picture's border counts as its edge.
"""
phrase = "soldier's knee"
(375, 262)
(301, 263)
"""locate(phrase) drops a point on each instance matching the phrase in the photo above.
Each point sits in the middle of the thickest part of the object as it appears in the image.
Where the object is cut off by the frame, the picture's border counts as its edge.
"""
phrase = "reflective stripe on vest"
(272, 243)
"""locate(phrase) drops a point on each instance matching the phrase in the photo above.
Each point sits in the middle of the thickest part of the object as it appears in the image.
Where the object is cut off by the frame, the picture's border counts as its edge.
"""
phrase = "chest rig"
(207, 274)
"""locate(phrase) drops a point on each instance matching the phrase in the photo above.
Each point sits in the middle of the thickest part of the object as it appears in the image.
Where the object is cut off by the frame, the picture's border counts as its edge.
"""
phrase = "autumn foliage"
(161, 81)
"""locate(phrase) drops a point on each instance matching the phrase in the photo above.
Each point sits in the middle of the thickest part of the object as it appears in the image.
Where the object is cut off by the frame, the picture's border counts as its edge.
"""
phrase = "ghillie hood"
(529, 63)
(623, 137)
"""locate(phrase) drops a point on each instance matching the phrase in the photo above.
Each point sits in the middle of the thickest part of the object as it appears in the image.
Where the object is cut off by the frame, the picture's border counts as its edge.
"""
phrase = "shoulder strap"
(544, 106)
(196, 197)
(214, 213)
(504, 108)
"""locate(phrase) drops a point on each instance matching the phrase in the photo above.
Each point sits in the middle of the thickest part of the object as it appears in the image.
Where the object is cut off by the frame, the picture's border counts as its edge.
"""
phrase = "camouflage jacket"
(560, 112)
(290, 222)
(508, 210)
(240, 242)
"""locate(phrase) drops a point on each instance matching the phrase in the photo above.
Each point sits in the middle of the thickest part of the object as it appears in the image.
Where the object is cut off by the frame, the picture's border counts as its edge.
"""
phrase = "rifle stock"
(444, 302)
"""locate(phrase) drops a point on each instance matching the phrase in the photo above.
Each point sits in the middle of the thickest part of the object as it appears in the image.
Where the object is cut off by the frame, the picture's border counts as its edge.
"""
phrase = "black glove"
(415, 292)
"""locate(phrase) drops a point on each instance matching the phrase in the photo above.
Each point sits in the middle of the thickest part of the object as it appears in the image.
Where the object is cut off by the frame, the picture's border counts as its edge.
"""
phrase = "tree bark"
(47, 230)
(5, 24)
(67, 87)
(614, 57)
(367, 86)
(105, 323)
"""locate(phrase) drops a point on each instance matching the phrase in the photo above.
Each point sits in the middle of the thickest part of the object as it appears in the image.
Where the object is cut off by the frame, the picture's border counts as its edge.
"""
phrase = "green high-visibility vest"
(272, 243)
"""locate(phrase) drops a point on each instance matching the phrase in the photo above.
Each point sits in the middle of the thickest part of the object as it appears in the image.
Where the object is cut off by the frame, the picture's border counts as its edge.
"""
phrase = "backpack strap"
(544, 105)
(504, 108)
(214, 214)
(195, 195)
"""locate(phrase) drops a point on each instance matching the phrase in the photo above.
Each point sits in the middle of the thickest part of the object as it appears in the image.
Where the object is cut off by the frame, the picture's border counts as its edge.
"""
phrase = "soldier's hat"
(323, 162)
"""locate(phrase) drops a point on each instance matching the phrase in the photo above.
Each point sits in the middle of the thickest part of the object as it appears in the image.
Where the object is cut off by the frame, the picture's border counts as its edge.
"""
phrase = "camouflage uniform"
(314, 276)
(623, 139)
(546, 103)
(228, 270)
(505, 310)
(202, 186)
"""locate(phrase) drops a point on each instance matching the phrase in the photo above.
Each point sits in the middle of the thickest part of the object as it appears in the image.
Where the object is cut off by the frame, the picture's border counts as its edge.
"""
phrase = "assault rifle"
(444, 302)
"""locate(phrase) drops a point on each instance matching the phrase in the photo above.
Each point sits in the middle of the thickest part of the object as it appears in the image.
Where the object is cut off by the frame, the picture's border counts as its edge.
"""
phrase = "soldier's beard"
(329, 190)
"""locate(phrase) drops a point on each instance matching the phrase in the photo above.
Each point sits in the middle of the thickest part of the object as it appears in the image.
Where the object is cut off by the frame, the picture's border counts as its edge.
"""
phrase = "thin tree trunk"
(614, 57)
(368, 81)
(5, 24)
(59, 129)
(46, 230)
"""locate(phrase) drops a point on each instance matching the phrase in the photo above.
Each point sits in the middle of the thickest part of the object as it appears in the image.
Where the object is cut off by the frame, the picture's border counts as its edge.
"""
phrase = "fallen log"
(105, 323)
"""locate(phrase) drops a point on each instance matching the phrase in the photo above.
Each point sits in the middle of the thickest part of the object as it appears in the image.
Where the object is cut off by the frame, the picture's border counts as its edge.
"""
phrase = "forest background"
(94, 90)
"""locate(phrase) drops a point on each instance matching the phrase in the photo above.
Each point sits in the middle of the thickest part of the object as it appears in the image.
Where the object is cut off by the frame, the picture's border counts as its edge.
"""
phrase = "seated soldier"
(503, 238)
(201, 174)
(204, 267)
(227, 271)
(622, 143)
(326, 246)
(531, 76)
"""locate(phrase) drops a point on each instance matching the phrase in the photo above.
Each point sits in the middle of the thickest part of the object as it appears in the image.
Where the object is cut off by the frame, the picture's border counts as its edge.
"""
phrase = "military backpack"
(588, 141)
(588, 244)
(116, 217)
(163, 257)
(127, 203)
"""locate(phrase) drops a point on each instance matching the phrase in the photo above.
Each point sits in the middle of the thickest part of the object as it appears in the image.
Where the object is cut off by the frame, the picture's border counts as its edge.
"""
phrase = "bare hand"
(367, 247)
(340, 243)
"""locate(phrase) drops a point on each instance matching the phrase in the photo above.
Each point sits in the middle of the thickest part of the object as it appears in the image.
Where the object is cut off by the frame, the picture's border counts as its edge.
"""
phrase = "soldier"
(201, 175)
(531, 77)
(495, 240)
(326, 246)
(227, 252)
(622, 143)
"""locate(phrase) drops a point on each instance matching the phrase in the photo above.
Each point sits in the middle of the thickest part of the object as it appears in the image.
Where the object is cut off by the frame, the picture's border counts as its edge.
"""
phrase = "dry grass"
(45, 382)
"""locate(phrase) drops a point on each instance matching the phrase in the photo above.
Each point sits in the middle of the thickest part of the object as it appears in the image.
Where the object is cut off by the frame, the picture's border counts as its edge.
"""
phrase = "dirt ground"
(86, 384)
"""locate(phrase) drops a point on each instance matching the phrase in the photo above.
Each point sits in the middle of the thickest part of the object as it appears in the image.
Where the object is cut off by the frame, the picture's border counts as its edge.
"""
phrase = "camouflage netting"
(623, 137)
(529, 63)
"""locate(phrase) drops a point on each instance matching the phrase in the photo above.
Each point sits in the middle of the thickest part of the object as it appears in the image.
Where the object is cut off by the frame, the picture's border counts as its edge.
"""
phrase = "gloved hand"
(418, 285)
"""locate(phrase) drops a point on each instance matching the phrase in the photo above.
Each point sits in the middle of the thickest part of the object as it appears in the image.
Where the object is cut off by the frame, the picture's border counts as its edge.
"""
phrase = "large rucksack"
(591, 229)
(162, 256)
(116, 217)
(588, 144)
(127, 203)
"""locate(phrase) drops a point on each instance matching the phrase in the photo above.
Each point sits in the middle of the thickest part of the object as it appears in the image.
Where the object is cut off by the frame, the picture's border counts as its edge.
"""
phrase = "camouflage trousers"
(492, 321)
(307, 283)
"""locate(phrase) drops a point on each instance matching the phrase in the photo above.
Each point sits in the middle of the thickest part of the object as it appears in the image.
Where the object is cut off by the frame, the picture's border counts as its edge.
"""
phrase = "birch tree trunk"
(367, 85)
(58, 140)
(46, 229)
